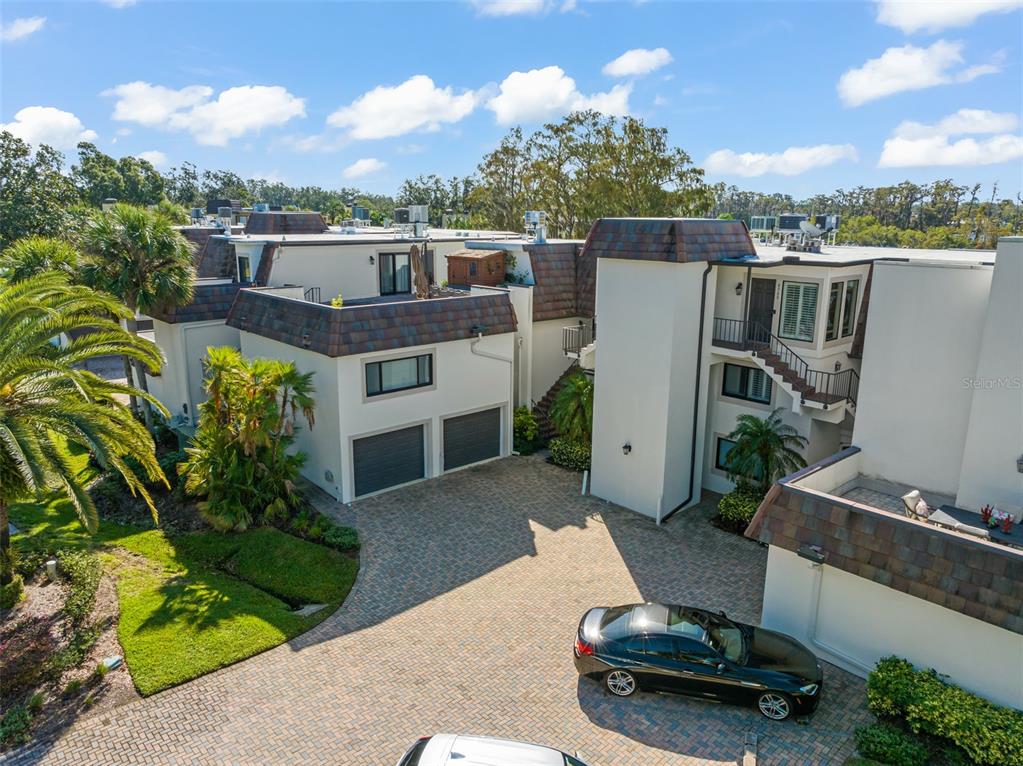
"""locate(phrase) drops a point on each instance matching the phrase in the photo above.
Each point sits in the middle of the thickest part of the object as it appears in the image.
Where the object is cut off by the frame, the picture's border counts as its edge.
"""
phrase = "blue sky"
(792, 97)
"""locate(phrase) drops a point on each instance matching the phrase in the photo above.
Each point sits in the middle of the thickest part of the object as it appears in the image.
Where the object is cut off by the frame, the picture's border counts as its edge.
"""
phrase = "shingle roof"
(209, 302)
(475, 254)
(285, 223)
(680, 240)
(565, 281)
(217, 261)
(374, 327)
(977, 578)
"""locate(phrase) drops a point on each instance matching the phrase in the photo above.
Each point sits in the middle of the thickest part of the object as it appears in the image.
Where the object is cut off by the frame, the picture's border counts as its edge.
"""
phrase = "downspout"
(510, 361)
(696, 402)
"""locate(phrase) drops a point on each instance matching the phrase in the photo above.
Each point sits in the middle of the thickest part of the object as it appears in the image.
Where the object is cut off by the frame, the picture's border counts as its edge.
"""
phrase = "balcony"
(579, 340)
(811, 387)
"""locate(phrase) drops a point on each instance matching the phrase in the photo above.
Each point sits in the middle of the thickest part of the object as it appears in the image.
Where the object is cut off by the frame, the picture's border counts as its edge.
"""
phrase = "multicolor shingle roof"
(679, 240)
(209, 302)
(981, 579)
(285, 223)
(566, 280)
(374, 327)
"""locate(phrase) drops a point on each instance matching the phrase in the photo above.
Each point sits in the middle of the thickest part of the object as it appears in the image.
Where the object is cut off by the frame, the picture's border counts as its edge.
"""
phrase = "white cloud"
(791, 162)
(660, 100)
(416, 104)
(908, 68)
(914, 144)
(20, 28)
(510, 7)
(637, 62)
(47, 125)
(212, 122)
(916, 16)
(363, 167)
(541, 94)
(155, 158)
(120, 3)
(406, 149)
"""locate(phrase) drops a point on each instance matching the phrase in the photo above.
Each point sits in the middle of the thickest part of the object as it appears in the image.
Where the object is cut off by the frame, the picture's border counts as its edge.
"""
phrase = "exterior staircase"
(810, 386)
(542, 409)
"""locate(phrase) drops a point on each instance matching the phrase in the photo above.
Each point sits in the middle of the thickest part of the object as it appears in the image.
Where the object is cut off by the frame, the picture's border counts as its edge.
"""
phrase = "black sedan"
(656, 647)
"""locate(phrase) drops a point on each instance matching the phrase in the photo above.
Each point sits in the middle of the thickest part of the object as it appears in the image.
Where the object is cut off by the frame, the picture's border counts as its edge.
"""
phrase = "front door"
(761, 308)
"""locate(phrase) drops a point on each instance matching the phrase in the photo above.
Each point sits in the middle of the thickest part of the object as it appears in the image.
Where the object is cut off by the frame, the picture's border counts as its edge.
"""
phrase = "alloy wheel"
(774, 706)
(621, 683)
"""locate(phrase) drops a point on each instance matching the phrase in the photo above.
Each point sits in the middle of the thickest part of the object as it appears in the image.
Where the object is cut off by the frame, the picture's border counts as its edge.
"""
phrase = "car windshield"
(719, 633)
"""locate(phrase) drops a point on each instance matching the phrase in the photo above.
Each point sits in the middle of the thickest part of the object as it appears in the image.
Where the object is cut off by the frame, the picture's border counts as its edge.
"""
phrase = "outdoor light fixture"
(811, 553)
(626, 448)
(1019, 464)
(738, 288)
(838, 366)
(372, 259)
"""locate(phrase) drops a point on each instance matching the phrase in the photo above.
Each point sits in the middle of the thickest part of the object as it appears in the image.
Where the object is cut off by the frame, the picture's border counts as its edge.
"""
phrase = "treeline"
(941, 214)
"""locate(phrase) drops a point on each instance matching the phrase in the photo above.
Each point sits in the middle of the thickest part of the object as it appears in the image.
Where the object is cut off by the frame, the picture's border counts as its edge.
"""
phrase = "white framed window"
(394, 375)
(749, 383)
(798, 310)
(244, 269)
(852, 294)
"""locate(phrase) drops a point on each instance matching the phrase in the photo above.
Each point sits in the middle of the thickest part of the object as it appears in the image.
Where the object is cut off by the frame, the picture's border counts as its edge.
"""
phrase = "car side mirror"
(722, 667)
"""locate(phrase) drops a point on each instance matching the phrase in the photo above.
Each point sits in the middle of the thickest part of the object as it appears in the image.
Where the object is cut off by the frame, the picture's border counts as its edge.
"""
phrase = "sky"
(798, 98)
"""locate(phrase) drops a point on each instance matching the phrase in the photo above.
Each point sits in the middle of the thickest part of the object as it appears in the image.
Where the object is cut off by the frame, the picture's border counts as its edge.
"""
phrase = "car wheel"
(620, 683)
(775, 705)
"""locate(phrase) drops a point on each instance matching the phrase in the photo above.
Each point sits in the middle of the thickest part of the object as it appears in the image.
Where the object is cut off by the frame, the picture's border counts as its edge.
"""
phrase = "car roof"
(465, 750)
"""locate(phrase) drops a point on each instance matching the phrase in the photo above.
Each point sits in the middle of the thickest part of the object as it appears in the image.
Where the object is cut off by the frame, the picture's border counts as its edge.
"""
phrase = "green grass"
(192, 603)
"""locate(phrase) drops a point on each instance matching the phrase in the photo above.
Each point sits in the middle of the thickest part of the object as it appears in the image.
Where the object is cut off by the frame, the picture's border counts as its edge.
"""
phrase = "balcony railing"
(820, 385)
(312, 294)
(577, 337)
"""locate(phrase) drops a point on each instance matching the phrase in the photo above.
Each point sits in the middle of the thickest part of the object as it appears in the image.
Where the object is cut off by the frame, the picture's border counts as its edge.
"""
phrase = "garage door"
(386, 460)
(471, 438)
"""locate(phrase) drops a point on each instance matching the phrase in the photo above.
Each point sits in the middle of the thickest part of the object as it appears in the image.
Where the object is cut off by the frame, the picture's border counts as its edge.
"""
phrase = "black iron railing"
(574, 339)
(819, 385)
(312, 294)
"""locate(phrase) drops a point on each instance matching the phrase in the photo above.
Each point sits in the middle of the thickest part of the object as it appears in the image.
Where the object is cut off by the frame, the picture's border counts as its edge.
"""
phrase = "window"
(798, 310)
(724, 447)
(395, 273)
(399, 374)
(244, 269)
(662, 646)
(852, 293)
(472, 268)
(834, 309)
(747, 383)
(697, 653)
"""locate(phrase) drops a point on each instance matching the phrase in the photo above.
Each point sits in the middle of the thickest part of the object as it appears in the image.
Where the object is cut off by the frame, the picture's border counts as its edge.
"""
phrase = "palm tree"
(764, 451)
(138, 256)
(572, 408)
(48, 401)
(34, 255)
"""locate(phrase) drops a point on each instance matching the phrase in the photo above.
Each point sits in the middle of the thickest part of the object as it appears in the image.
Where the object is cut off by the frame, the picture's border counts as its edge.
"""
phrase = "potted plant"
(1001, 519)
(985, 514)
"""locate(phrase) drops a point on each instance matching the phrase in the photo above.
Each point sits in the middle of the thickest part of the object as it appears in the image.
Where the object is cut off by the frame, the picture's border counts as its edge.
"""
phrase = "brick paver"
(462, 620)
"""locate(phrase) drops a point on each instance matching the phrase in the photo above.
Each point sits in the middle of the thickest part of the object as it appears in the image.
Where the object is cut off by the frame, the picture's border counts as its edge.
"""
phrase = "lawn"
(192, 603)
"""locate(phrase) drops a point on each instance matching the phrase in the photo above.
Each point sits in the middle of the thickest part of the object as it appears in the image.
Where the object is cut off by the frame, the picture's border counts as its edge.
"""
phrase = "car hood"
(770, 650)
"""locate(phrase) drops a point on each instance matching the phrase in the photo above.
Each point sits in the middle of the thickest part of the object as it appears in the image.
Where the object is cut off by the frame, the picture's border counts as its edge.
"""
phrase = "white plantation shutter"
(759, 386)
(798, 310)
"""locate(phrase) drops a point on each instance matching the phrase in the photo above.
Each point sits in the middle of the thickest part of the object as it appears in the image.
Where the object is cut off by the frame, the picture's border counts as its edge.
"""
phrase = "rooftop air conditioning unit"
(418, 213)
(401, 215)
(261, 207)
(536, 225)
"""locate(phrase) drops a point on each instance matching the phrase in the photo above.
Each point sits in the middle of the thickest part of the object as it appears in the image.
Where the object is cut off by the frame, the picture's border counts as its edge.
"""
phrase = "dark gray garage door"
(471, 438)
(388, 459)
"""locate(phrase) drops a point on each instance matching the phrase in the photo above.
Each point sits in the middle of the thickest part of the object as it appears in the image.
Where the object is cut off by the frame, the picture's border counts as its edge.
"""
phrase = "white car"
(458, 750)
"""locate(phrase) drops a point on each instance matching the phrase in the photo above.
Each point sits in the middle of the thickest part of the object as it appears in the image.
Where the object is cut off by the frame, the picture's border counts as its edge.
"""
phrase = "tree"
(572, 408)
(138, 256)
(49, 401)
(764, 451)
(99, 176)
(239, 459)
(34, 192)
(34, 255)
(173, 212)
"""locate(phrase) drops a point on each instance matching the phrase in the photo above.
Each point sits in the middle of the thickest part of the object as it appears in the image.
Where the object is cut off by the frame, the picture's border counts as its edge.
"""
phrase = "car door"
(661, 669)
(712, 674)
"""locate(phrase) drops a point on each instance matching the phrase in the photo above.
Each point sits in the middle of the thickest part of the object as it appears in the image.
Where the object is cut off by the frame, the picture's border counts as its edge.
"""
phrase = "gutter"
(696, 402)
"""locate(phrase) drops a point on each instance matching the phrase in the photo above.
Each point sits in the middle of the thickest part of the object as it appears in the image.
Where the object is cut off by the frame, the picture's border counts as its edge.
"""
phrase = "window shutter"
(807, 311)
(790, 310)
(759, 386)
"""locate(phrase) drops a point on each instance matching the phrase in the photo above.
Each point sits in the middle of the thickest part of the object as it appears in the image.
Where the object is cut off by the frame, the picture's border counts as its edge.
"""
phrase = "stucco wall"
(994, 438)
(922, 343)
(861, 621)
(644, 382)
(463, 382)
(184, 348)
(322, 442)
(549, 359)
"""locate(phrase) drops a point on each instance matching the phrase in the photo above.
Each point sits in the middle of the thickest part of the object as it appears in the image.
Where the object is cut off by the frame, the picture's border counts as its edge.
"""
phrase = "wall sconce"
(738, 288)
(372, 259)
(1019, 464)
(838, 366)
(627, 448)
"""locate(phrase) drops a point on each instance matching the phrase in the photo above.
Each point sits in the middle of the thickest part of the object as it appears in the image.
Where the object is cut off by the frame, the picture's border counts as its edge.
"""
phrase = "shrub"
(341, 538)
(987, 733)
(12, 592)
(73, 687)
(83, 570)
(35, 703)
(889, 744)
(15, 725)
(526, 430)
(100, 672)
(569, 454)
(736, 509)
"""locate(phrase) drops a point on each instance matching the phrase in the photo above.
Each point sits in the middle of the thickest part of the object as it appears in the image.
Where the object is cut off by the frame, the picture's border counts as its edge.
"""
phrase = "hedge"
(890, 745)
(988, 733)
(736, 509)
(569, 454)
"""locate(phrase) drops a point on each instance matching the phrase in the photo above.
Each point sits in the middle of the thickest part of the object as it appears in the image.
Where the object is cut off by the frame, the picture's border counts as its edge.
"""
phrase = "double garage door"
(397, 457)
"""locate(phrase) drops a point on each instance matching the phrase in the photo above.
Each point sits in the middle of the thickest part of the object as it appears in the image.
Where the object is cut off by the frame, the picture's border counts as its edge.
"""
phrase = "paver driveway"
(463, 620)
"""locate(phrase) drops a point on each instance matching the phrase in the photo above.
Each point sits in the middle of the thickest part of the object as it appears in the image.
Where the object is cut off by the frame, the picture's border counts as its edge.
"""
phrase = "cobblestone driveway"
(462, 620)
